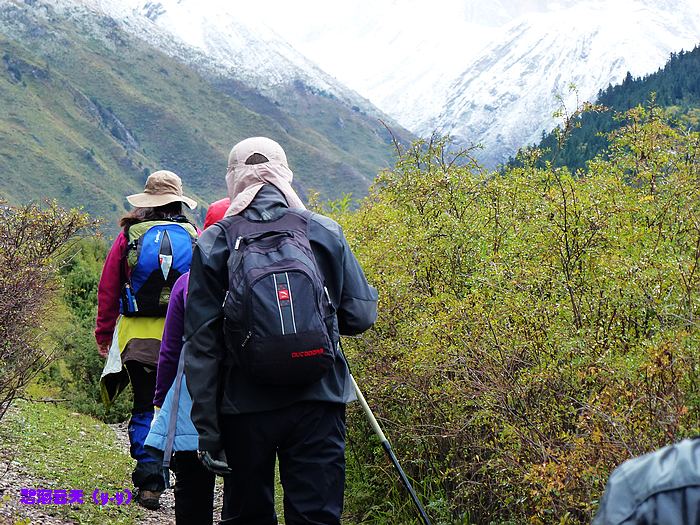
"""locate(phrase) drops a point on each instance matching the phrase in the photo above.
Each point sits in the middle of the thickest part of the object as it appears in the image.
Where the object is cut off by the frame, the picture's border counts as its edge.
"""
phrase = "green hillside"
(674, 88)
(89, 111)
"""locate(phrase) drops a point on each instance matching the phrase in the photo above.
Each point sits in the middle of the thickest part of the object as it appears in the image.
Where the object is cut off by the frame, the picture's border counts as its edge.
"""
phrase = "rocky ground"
(13, 477)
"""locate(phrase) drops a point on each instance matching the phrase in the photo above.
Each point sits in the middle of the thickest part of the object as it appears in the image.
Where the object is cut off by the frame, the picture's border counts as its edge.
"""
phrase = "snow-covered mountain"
(490, 72)
(507, 96)
(227, 39)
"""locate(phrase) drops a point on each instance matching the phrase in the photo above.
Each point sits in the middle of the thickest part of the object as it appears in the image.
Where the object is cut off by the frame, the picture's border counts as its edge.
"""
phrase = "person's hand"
(156, 411)
(214, 462)
(103, 349)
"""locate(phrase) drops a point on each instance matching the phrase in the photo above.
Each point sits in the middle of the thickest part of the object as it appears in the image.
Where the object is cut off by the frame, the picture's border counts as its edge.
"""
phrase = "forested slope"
(674, 89)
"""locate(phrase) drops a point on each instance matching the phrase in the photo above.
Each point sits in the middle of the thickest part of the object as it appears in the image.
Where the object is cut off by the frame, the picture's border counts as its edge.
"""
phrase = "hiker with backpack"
(172, 433)
(272, 287)
(151, 252)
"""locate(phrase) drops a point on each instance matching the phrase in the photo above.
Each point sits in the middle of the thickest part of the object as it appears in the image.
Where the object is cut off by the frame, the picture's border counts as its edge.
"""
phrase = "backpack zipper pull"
(238, 242)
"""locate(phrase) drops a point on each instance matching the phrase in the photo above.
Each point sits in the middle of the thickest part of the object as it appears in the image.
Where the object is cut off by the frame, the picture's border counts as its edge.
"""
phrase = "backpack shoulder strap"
(296, 218)
(136, 231)
(230, 226)
(189, 228)
(301, 212)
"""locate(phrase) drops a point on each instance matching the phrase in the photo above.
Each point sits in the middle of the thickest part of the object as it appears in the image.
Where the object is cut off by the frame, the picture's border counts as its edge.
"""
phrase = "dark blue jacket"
(218, 386)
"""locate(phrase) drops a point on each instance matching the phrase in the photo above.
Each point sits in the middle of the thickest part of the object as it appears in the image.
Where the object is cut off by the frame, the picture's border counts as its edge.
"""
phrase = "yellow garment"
(114, 377)
(129, 328)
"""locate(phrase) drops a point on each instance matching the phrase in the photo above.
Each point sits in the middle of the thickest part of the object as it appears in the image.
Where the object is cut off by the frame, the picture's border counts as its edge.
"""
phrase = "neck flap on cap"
(245, 180)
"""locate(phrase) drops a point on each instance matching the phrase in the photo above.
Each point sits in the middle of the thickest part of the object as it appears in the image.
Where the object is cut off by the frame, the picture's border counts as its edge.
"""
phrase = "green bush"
(33, 242)
(535, 329)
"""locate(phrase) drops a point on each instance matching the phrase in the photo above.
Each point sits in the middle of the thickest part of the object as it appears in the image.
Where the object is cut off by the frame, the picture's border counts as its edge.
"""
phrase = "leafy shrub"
(33, 241)
(535, 330)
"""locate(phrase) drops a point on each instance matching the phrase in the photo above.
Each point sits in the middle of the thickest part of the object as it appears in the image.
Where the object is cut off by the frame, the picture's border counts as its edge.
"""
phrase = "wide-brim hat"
(162, 187)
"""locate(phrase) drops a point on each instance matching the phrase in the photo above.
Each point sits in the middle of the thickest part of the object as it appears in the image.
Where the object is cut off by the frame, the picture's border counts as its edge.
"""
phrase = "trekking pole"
(387, 446)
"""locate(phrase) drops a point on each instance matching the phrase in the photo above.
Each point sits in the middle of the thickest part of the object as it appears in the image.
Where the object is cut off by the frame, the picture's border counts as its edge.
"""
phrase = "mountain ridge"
(251, 52)
(91, 110)
(432, 76)
(509, 96)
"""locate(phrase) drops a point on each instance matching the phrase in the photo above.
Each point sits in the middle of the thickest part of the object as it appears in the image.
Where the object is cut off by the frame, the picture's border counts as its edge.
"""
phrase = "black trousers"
(309, 440)
(143, 385)
(147, 474)
(194, 490)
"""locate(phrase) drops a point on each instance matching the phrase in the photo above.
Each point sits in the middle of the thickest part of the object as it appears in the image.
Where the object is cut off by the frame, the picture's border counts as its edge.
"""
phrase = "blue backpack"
(158, 253)
(279, 320)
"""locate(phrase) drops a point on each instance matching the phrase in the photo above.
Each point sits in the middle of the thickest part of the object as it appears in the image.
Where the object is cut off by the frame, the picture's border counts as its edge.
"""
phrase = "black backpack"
(279, 320)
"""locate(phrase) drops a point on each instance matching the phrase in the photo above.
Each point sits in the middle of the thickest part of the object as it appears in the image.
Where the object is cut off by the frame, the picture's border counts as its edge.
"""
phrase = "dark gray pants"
(309, 440)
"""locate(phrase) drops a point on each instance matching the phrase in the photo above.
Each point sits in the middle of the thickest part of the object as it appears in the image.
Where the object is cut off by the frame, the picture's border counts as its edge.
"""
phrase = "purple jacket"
(171, 344)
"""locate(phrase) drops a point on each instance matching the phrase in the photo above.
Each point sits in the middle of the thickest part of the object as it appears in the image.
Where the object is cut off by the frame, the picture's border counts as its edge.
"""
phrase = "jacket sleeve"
(109, 289)
(357, 310)
(171, 344)
(355, 299)
(204, 345)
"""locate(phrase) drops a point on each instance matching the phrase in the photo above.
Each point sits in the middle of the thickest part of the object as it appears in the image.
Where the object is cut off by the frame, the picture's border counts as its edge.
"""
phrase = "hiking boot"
(149, 499)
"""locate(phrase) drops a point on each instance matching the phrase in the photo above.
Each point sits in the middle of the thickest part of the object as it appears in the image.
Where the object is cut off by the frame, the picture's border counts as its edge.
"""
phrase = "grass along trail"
(45, 446)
